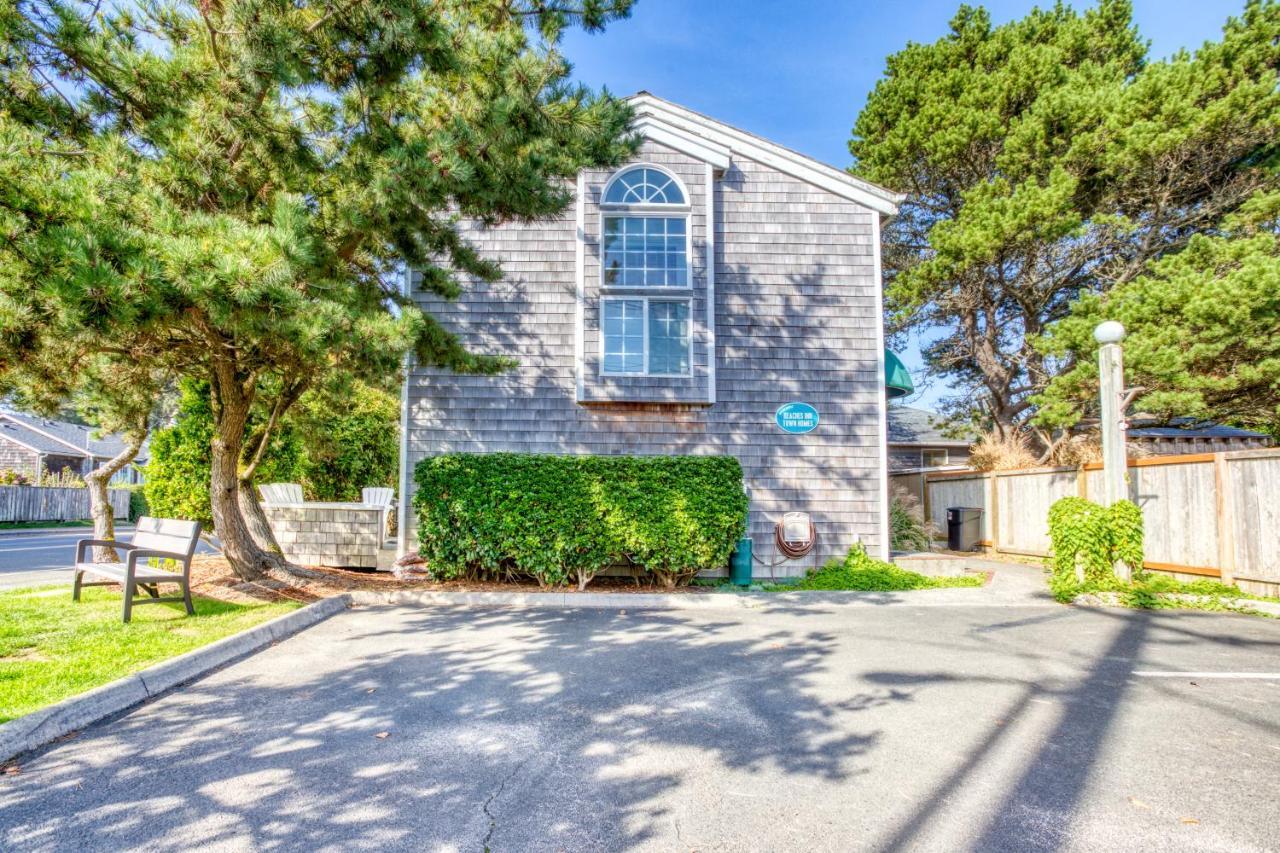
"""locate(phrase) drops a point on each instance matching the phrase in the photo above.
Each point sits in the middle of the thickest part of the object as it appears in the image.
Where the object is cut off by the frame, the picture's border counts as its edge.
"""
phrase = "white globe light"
(1110, 332)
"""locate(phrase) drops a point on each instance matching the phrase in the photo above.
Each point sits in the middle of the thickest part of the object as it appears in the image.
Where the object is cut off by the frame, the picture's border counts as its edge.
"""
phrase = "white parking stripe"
(1272, 676)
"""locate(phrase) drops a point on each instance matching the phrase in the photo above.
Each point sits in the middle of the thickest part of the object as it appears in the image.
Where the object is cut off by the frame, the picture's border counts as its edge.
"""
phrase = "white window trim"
(665, 211)
(646, 298)
(946, 456)
(660, 213)
(684, 190)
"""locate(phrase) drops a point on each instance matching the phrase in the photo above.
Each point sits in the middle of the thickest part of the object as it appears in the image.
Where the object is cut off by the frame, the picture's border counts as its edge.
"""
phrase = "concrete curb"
(976, 597)
(48, 724)
(46, 531)
(1243, 606)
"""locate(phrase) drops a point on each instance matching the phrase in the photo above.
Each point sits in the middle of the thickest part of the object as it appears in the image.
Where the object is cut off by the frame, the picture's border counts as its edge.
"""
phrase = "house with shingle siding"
(36, 446)
(675, 308)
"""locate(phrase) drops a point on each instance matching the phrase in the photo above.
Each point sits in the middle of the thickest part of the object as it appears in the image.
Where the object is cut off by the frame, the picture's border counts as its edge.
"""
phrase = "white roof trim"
(709, 152)
(654, 115)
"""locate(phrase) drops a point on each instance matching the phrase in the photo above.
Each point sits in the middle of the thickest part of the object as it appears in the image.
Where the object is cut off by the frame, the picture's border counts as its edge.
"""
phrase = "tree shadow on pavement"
(510, 729)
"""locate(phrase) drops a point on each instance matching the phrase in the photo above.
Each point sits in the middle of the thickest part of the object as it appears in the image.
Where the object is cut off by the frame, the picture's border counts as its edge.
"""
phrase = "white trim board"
(580, 289)
(709, 241)
(882, 399)
(402, 511)
(685, 127)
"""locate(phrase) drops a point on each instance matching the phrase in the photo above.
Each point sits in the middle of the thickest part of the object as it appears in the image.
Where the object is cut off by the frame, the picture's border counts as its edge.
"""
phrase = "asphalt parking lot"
(798, 728)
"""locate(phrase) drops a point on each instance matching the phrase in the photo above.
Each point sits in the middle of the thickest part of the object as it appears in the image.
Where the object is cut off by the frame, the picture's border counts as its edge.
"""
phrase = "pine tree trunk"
(248, 559)
(247, 541)
(98, 480)
(256, 520)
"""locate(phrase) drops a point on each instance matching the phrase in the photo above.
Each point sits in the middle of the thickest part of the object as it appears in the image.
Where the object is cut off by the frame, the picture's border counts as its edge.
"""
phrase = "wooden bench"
(153, 539)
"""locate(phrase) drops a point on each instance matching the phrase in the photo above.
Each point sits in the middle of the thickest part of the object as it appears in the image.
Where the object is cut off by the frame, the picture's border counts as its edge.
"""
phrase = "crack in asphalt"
(493, 821)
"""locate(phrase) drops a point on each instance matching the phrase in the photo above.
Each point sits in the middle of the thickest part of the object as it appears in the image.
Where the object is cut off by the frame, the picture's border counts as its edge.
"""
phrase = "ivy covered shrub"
(1088, 540)
(563, 518)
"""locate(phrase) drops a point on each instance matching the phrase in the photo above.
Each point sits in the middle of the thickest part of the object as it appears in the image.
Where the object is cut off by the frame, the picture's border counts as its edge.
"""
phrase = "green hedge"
(563, 518)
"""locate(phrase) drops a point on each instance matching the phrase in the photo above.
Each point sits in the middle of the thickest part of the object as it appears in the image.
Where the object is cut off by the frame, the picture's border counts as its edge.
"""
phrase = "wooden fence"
(44, 503)
(1206, 515)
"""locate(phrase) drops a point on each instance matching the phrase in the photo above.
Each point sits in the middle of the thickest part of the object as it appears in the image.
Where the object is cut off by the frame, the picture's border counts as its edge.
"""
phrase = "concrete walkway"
(800, 728)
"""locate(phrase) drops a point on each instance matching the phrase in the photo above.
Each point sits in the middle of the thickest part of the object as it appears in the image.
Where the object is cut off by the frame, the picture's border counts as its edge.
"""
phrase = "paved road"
(31, 559)
(877, 728)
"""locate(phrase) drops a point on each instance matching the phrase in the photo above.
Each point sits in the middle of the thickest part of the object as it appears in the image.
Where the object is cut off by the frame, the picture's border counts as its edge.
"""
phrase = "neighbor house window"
(646, 336)
(646, 230)
(934, 458)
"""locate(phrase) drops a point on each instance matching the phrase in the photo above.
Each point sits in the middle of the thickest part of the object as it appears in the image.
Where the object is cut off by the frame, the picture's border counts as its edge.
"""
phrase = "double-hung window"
(646, 336)
(645, 249)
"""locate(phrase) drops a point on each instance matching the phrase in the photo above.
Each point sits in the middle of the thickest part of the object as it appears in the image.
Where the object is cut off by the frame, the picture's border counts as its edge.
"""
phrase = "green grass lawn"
(52, 647)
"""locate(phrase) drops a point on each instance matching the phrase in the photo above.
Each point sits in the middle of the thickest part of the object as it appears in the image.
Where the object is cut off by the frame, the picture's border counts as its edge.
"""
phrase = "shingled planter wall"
(327, 534)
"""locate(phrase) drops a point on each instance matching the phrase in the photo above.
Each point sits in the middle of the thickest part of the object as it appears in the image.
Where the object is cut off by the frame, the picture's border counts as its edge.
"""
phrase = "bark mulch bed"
(213, 577)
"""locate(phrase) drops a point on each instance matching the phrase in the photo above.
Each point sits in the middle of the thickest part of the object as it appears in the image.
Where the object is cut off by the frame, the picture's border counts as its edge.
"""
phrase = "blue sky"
(798, 71)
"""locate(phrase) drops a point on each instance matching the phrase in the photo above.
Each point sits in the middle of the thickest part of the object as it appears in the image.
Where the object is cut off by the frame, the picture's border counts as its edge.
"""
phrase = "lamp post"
(1111, 387)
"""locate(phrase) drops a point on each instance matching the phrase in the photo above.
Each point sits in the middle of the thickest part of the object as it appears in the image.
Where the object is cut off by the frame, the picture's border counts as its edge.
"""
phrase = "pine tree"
(233, 188)
(1046, 159)
(1203, 331)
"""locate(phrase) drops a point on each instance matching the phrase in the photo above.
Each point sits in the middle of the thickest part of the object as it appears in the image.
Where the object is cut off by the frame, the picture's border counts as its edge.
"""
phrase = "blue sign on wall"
(796, 418)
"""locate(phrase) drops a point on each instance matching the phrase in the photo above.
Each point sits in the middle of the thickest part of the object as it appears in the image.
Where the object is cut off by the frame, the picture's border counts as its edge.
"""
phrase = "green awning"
(897, 381)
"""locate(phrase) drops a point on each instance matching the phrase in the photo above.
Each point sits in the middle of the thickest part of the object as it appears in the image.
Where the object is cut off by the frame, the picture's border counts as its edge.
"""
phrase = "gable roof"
(715, 142)
(909, 425)
(35, 441)
(68, 439)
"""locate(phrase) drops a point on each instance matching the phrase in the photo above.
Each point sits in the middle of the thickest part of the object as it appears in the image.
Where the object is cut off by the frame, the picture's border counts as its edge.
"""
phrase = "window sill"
(675, 377)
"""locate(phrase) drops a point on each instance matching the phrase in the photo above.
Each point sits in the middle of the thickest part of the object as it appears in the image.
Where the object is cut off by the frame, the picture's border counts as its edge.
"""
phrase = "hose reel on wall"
(794, 536)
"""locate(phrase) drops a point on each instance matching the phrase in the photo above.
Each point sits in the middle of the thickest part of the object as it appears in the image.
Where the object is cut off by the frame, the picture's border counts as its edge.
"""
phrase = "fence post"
(1225, 518)
(1082, 482)
(925, 508)
(993, 504)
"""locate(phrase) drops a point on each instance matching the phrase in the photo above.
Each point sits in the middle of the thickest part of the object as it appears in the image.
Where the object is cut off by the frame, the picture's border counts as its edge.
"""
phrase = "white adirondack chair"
(281, 493)
(379, 497)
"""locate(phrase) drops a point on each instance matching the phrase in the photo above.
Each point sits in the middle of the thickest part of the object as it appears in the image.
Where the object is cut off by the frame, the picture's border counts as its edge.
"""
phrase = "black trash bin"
(964, 527)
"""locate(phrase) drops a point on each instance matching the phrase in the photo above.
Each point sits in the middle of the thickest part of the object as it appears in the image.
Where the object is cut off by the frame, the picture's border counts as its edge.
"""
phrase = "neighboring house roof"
(1188, 428)
(68, 439)
(715, 142)
(35, 441)
(911, 426)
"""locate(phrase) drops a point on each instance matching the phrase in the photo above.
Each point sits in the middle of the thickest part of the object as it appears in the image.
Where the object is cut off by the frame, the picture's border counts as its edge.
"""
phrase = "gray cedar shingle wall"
(796, 320)
(15, 457)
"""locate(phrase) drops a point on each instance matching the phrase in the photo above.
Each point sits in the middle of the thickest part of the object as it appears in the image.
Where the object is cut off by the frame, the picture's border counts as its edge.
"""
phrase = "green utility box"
(740, 563)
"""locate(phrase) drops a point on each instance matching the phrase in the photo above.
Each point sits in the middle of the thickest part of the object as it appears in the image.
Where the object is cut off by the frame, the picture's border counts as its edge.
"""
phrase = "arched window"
(646, 230)
(645, 248)
(643, 185)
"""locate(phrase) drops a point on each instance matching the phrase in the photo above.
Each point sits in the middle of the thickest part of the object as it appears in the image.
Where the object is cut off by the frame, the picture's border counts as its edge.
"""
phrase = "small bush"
(992, 452)
(908, 530)
(137, 502)
(562, 518)
(860, 571)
